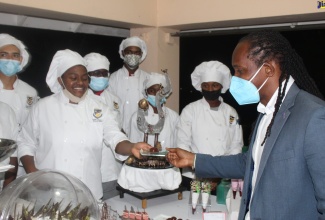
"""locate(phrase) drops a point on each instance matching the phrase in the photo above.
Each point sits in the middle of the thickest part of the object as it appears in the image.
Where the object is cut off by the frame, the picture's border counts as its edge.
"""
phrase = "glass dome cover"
(48, 194)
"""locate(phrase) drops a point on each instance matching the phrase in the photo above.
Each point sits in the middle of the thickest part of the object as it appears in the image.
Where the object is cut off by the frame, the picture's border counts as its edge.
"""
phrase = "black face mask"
(211, 95)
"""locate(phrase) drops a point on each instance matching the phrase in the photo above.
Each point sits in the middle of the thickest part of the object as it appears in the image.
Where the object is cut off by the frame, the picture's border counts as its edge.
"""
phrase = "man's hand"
(138, 146)
(180, 158)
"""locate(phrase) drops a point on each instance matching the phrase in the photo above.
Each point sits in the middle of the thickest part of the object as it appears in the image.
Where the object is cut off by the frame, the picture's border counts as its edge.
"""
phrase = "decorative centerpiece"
(48, 194)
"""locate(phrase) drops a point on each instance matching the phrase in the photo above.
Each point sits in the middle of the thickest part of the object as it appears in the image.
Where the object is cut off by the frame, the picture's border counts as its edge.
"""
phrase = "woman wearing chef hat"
(65, 131)
(209, 125)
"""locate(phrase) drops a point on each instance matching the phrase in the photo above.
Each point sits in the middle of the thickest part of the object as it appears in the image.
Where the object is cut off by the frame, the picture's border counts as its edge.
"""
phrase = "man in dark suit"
(284, 169)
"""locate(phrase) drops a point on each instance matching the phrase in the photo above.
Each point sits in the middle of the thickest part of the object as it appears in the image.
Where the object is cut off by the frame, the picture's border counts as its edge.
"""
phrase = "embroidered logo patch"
(97, 113)
(116, 105)
(30, 100)
(231, 119)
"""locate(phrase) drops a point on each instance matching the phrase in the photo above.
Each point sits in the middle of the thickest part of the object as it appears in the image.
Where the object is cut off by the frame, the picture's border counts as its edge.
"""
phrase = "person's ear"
(61, 82)
(269, 68)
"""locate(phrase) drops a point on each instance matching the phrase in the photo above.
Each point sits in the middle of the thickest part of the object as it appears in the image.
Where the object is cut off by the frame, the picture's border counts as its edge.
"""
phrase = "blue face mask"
(9, 67)
(244, 91)
(152, 100)
(98, 83)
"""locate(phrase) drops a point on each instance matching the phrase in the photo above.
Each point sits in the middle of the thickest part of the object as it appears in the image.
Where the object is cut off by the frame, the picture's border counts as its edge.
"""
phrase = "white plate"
(161, 217)
(6, 167)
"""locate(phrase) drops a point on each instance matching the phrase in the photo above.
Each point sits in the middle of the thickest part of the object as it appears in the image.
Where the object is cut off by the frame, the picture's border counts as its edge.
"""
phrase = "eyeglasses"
(99, 73)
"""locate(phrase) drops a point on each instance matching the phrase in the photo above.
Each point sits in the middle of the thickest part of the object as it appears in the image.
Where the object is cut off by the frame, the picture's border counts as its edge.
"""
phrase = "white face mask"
(132, 60)
(72, 97)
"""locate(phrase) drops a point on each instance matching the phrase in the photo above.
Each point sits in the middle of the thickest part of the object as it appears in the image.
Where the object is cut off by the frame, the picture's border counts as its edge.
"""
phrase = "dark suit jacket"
(291, 178)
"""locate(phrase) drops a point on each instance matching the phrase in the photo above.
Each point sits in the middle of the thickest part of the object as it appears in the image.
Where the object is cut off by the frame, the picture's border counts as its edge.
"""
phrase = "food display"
(48, 194)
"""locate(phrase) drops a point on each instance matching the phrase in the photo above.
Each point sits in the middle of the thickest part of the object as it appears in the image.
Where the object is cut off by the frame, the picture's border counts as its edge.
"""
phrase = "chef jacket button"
(81, 159)
(127, 102)
(65, 160)
(65, 121)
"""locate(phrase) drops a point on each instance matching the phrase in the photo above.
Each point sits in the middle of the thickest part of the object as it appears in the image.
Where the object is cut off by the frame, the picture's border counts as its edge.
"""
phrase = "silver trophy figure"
(143, 106)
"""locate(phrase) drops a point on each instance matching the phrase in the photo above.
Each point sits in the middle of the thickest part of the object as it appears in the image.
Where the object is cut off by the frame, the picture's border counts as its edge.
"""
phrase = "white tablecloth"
(167, 206)
(147, 180)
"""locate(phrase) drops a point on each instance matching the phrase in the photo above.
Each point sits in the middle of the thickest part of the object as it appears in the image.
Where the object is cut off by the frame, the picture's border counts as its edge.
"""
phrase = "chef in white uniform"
(98, 71)
(8, 130)
(127, 82)
(167, 137)
(209, 125)
(66, 131)
(147, 180)
(20, 96)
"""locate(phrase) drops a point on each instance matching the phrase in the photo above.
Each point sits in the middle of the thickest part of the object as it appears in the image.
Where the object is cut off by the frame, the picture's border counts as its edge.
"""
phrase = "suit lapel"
(279, 121)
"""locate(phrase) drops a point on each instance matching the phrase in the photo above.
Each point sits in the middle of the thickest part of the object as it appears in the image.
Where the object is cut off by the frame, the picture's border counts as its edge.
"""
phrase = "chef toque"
(6, 39)
(211, 71)
(134, 41)
(96, 61)
(152, 79)
(61, 62)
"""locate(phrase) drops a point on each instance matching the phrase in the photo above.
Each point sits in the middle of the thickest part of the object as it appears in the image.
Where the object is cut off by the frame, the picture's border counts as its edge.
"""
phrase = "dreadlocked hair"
(269, 45)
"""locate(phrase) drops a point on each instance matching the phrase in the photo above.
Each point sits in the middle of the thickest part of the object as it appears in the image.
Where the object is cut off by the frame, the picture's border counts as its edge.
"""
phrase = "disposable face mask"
(244, 91)
(132, 60)
(98, 83)
(72, 97)
(211, 95)
(152, 100)
(9, 67)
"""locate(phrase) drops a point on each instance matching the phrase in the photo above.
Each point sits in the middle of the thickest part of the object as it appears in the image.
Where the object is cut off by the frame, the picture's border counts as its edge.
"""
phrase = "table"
(169, 205)
(150, 195)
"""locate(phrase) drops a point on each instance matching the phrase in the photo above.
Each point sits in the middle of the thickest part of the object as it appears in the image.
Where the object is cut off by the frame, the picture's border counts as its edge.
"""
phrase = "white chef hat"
(96, 61)
(211, 71)
(152, 79)
(6, 39)
(136, 42)
(61, 62)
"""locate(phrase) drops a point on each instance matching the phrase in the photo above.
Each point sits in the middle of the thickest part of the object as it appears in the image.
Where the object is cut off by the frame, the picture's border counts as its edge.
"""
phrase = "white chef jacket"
(8, 122)
(69, 137)
(8, 130)
(20, 99)
(129, 90)
(111, 166)
(167, 136)
(215, 132)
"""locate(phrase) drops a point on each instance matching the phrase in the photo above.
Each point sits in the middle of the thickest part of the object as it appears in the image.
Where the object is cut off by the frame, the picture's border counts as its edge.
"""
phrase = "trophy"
(143, 106)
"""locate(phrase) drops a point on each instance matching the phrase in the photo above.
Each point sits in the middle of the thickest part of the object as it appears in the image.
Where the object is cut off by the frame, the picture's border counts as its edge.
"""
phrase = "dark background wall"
(196, 49)
(43, 44)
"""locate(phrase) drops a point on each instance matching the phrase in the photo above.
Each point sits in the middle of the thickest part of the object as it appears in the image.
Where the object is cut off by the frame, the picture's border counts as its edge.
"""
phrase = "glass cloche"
(48, 194)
